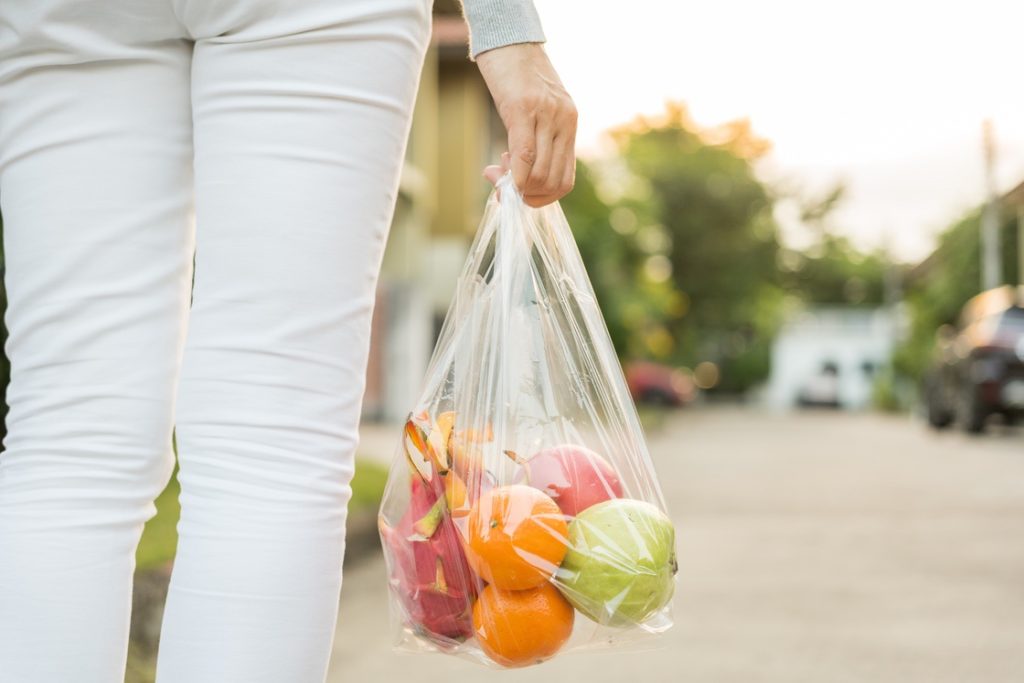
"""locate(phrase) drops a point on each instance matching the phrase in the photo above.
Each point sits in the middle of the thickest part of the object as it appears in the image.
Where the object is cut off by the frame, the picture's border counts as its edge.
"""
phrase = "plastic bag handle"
(508, 185)
(512, 258)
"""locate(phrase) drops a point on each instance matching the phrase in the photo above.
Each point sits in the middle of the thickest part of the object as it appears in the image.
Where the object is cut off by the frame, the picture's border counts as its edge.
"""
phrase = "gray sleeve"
(496, 23)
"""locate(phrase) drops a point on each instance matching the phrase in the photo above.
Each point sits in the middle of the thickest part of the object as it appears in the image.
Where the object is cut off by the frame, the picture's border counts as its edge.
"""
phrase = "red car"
(659, 384)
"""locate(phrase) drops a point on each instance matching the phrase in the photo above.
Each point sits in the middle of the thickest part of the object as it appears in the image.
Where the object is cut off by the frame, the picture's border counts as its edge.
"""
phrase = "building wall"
(858, 341)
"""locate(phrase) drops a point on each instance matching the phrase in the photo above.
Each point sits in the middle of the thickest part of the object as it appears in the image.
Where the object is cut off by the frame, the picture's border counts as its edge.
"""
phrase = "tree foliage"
(834, 272)
(722, 240)
(635, 306)
(939, 287)
(686, 258)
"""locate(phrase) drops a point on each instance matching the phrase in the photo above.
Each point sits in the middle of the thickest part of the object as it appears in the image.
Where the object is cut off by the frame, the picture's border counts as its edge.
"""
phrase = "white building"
(830, 355)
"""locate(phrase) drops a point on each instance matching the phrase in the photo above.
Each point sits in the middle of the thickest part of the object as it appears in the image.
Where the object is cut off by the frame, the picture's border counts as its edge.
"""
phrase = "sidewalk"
(814, 548)
(378, 441)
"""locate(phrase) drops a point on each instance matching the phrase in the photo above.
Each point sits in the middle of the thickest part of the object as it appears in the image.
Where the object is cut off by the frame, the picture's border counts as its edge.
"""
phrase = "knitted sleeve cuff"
(496, 23)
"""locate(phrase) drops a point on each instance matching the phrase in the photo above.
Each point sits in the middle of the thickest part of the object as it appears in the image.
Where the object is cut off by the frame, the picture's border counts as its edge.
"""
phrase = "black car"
(978, 369)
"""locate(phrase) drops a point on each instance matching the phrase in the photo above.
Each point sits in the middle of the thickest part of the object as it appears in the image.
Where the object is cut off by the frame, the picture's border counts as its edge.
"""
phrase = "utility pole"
(1020, 244)
(990, 261)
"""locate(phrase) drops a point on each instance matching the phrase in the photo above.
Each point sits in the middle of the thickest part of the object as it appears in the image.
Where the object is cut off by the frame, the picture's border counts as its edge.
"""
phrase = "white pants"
(282, 125)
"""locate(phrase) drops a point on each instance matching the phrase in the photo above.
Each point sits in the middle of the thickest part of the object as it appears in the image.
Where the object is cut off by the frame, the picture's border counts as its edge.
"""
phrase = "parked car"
(821, 390)
(659, 384)
(978, 368)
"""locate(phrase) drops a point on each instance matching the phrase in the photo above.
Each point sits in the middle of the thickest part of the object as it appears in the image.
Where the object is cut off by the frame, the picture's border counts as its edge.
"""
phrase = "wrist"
(523, 48)
(505, 69)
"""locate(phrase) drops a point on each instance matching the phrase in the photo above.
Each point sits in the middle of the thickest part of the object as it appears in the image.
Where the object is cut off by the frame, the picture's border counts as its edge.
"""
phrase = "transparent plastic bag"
(522, 515)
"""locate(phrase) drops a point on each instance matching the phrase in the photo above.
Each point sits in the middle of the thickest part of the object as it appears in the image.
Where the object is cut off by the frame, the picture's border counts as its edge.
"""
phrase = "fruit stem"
(514, 457)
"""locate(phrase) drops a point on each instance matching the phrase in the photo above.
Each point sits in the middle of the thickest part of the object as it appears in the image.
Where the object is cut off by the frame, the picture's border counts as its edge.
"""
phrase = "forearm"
(496, 23)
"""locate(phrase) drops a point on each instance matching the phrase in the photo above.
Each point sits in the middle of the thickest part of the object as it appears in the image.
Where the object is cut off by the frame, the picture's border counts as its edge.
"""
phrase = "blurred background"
(804, 223)
(781, 209)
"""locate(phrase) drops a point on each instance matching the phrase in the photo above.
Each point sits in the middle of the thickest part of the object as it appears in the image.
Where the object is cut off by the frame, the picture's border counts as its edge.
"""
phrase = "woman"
(282, 125)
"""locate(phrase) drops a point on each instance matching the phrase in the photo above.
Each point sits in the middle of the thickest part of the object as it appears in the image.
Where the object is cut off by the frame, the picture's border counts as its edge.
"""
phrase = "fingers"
(568, 140)
(544, 144)
(556, 182)
(522, 147)
(542, 156)
(569, 171)
(555, 167)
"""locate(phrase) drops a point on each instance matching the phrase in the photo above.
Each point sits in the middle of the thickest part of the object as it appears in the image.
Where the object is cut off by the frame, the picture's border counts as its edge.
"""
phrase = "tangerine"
(517, 628)
(517, 537)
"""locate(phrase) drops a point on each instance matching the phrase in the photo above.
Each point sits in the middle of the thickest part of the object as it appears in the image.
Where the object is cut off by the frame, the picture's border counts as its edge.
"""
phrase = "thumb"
(493, 173)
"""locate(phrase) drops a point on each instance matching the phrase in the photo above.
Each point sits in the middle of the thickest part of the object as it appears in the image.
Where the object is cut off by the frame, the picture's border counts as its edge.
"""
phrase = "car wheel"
(938, 414)
(937, 417)
(970, 415)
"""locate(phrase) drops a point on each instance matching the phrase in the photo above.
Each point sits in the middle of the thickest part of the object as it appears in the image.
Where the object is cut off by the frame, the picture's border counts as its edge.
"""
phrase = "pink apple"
(574, 476)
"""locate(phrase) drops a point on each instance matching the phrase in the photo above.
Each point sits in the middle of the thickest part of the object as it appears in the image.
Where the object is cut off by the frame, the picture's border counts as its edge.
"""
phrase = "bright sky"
(886, 95)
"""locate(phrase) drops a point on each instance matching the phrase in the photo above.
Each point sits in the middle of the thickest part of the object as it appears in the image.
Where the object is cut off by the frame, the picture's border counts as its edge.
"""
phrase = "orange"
(517, 628)
(516, 537)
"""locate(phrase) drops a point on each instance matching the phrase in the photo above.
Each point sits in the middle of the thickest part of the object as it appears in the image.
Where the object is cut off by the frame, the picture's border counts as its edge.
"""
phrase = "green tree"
(832, 271)
(635, 305)
(940, 285)
(722, 238)
(835, 272)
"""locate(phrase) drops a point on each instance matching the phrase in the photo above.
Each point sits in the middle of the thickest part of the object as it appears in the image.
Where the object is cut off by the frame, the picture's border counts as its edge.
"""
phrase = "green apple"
(621, 565)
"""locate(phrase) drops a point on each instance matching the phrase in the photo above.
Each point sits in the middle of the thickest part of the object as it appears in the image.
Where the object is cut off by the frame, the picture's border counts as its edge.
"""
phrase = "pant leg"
(301, 114)
(95, 187)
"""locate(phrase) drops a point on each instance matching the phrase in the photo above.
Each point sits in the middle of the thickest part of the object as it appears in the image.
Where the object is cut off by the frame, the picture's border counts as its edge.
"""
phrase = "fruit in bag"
(464, 449)
(533, 495)
(516, 628)
(575, 477)
(621, 562)
(429, 575)
(516, 537)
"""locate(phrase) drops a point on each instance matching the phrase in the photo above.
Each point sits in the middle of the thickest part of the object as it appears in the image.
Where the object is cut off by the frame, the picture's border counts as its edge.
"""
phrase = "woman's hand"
(540, 118)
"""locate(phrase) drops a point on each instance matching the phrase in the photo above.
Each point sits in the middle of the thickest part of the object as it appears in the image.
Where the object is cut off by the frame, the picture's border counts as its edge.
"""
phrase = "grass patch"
(367, 486)
(160, 537)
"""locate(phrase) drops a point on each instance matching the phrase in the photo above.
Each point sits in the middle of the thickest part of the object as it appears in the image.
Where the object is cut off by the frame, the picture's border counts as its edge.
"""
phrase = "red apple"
(574, 476)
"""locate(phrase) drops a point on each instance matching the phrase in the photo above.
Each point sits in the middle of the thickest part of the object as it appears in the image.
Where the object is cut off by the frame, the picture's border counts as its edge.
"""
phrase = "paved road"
(817, 547)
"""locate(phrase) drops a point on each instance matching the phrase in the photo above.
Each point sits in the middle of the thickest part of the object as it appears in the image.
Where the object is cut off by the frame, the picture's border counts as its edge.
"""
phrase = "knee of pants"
(267, 416)
(82, 465)
(264, 480)
(263, 503)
